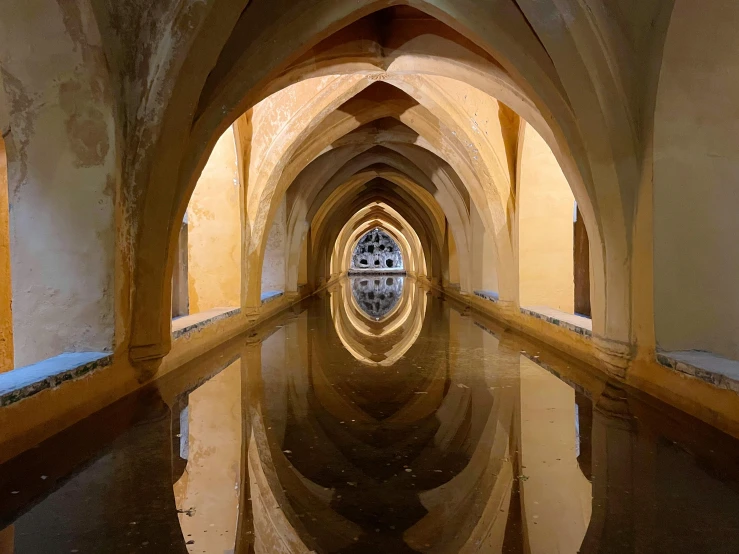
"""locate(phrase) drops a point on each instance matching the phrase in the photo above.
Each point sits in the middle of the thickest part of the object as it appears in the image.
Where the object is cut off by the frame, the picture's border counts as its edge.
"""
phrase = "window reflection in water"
(377, 295)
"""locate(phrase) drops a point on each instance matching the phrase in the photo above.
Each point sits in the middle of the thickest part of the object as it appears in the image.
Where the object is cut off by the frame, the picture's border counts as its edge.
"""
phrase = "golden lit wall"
(214, 232)
(545, 228)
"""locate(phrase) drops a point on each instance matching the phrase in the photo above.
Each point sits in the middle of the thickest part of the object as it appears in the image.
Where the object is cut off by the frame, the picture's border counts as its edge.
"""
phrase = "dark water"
(328, 430)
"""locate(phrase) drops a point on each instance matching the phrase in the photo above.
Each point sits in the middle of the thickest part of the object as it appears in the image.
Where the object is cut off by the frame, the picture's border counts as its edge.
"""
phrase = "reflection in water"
(377, 295)
(373, 342)
(423, 432)
(422, 455)
(207, 492)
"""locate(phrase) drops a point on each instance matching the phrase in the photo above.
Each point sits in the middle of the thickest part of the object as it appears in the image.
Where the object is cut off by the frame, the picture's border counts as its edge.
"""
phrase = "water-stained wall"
(62, 169)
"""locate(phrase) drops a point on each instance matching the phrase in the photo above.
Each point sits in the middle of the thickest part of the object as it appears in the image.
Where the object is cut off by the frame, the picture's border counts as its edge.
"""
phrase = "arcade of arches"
(176, 177)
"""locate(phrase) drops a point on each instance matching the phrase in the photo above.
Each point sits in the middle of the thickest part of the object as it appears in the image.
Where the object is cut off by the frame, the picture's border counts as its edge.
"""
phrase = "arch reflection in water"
(377, 295)
(425, 454)
(291, 443)
(376, 342)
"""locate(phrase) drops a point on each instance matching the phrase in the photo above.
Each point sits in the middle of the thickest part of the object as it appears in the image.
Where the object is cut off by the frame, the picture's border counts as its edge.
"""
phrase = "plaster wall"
(545, 232)
(273, 113)
(209, 488)
(62, 179)
(696, 169)
(273, 268)
(6, 316)
(214, 232)
(480, 112)
(484, 271)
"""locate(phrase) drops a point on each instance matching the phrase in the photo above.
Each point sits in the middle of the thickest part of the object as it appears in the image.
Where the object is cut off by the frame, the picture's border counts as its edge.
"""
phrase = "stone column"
(6, 294)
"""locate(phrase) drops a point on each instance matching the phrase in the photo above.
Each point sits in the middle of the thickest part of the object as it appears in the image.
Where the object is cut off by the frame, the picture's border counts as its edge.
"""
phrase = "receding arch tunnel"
(368, 276)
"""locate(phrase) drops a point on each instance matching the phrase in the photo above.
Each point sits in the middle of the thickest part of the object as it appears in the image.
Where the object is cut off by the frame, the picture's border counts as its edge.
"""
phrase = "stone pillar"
(274, 272)
(6, 294)
(180, 284)
(581, 261)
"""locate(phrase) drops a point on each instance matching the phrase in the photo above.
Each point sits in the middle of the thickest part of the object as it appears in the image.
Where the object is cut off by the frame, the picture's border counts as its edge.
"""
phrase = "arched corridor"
(372, 212)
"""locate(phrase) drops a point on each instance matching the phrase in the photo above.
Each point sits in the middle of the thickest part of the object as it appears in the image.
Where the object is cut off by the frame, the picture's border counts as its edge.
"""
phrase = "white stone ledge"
(270, 295)
(17, 384)
(576, 323)
(377, 272)
(190, 323)
(719, 372)
(490, 295)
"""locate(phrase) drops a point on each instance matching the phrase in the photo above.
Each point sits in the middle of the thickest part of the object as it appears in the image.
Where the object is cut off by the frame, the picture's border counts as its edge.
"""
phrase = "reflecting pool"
(377, 295)
(418, 426)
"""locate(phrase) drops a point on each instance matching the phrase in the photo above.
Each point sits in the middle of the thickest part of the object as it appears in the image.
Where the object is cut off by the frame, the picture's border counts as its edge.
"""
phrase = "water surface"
(378, 418)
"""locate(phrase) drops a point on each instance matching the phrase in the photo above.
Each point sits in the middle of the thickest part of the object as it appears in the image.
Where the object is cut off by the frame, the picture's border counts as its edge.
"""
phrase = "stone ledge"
(270, 295)
(715, 370)
(490, 295)
(26, 381)
(576, 323)
(190, 323)
(378, 272)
